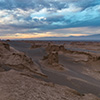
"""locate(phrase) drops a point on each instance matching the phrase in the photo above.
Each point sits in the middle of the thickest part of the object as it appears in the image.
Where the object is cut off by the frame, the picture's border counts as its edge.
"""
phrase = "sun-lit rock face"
(15, 59)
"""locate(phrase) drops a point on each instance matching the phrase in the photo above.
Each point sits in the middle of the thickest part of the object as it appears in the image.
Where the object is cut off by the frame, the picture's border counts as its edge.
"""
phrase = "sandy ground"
(77, 75)
(16, 85)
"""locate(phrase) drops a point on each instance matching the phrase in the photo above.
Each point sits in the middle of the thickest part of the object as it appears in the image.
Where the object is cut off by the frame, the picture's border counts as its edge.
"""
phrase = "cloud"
(79, 31)
(38, 16)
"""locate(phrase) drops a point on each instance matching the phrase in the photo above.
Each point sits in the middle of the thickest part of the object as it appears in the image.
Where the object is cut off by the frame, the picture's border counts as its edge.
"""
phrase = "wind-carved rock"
(34, 45)
(52, 57)
(4, 45)
(54, 47)
(16, 60)
(8, 40)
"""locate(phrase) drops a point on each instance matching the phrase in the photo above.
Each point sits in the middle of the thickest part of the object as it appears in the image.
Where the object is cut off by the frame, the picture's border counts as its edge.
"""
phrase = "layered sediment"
(16, 60)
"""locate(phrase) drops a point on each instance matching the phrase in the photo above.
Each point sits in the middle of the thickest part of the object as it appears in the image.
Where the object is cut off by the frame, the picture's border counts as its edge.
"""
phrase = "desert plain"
(49, 70)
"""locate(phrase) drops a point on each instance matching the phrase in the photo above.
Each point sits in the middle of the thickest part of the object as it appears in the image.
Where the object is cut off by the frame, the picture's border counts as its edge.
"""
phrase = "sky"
(20, 19)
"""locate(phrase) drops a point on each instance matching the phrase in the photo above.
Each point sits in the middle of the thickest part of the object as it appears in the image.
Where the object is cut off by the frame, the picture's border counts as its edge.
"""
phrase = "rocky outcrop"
(16, 60)
(15, 85)
(77, 55)
(34, 45)
(8, 40)
(52, 47)
(90, 49)
(52, 58)
(90, 55)
(4, 47)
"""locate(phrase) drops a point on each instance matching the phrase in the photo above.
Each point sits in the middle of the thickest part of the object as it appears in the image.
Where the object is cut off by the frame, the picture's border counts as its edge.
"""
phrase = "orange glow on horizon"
(37, 35)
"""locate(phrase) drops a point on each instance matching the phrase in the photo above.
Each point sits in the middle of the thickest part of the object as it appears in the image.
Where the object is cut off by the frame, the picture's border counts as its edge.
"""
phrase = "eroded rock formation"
(34, 45)
(15, 59)
(52, 57)
(16, 85)
(52, 47)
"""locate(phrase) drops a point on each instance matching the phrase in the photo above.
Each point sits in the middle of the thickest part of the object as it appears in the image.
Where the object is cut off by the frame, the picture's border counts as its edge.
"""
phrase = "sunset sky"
(48, 18)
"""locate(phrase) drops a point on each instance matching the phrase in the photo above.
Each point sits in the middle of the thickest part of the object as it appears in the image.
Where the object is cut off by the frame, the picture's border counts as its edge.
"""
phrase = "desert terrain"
(49, 70)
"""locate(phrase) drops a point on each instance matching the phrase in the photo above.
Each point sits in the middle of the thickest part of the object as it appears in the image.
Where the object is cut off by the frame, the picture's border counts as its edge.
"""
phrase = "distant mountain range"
(95, 37)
